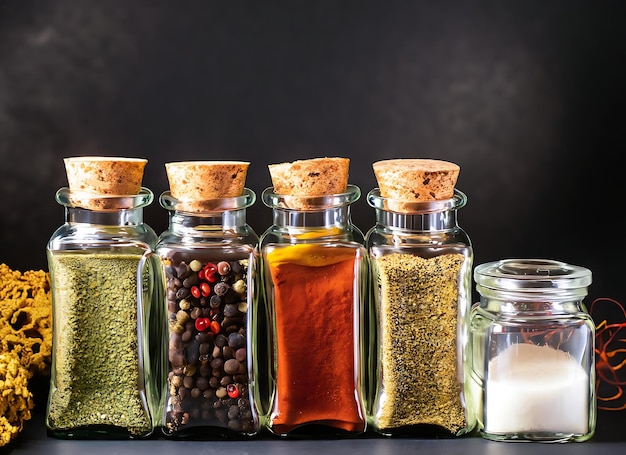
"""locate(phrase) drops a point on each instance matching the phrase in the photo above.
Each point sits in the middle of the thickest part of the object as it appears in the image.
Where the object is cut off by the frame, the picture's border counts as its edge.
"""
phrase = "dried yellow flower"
(16, 400)
(26, 318)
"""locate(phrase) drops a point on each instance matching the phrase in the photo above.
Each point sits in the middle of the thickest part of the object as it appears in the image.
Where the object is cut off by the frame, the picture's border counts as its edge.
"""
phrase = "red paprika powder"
(316, 311)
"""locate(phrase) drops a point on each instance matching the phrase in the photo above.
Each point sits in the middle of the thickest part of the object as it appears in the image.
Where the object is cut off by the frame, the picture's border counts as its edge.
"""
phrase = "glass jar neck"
(337, 217)
(129, 217)
(326, 212)
(198, 217)
(182, 223)
(538, 305)
(417, 216)
(438, 221)
(104, 210)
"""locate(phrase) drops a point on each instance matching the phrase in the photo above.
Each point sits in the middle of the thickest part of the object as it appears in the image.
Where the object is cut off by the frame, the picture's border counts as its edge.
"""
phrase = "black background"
(527, 97)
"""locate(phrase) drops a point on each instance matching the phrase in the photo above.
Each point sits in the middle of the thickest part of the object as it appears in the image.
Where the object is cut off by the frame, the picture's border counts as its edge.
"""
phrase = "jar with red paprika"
(313, 272)
(209, 257)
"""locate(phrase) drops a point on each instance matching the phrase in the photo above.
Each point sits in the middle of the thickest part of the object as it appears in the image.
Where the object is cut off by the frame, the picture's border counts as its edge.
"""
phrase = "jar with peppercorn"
(106, 288)
(314, 276)
(420, 262)
(209, 257)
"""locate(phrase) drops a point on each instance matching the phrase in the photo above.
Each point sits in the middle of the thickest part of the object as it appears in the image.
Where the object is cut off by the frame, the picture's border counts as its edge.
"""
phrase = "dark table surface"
(610, 439)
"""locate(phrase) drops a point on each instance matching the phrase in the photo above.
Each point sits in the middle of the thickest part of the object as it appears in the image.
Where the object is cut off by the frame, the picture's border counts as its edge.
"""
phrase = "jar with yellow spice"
(421, 262)
(314, 277)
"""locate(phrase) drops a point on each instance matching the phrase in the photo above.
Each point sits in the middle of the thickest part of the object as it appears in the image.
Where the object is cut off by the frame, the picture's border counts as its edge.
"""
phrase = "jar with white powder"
(533, 341)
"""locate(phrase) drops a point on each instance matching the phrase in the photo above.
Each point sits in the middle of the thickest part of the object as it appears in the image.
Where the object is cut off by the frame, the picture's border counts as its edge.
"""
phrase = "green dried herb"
(96, 376)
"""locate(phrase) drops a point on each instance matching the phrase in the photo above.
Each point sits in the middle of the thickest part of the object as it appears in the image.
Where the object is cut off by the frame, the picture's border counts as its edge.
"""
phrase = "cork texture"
(313, 177)
(92, 176)
(194, 182)
(416, 180)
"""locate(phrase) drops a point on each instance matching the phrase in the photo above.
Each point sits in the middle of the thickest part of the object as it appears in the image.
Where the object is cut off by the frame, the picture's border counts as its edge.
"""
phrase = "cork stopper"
(416, 180)
(313, 177)
(99, 182)
(194, 183)
(304, 179)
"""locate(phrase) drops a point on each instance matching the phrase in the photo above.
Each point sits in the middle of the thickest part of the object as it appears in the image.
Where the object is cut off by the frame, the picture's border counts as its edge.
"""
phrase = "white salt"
(536, 389)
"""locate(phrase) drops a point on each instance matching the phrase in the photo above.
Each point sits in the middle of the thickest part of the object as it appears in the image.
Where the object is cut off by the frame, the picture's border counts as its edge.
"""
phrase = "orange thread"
(610, 358)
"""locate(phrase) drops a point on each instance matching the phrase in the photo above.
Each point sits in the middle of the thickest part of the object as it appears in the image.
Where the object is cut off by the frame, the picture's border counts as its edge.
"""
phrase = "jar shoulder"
(381, 236)
(244, 236)
(283, 235)
(68, 236)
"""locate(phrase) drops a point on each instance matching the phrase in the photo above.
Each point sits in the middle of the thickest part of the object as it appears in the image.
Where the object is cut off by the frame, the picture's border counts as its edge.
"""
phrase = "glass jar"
(210, 264)
(314, 277)
(421, 262)
(533, 351)
(105, 288)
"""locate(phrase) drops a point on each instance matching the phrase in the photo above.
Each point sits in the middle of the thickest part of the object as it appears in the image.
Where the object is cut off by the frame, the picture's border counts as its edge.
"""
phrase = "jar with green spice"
(420, 262)
(106, 285)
